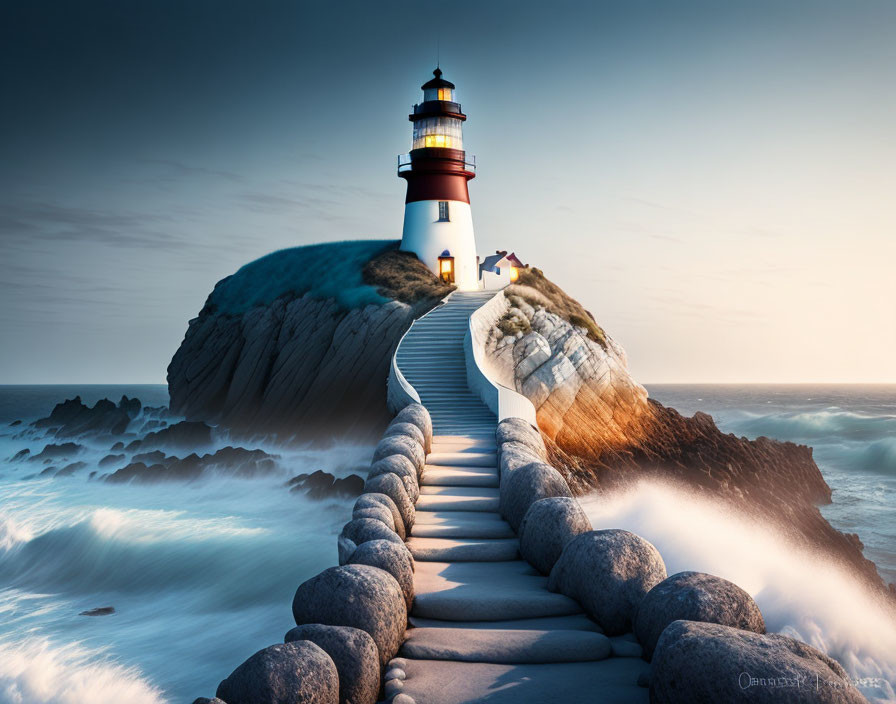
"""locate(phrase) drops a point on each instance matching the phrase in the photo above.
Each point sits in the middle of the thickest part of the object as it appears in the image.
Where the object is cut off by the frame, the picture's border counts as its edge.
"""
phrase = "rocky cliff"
(603, 431)
(299, 342)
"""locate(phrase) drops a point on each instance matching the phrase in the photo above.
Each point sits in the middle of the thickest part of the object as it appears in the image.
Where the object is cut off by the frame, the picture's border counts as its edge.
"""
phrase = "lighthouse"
(438, 223)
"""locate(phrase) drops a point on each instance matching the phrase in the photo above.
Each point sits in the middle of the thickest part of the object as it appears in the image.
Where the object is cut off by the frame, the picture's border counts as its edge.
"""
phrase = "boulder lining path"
(484, 627)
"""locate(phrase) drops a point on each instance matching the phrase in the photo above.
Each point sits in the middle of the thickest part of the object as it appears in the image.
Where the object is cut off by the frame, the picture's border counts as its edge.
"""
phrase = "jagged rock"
(519, 431)
(408, 430)
(53, 451)
(290, 673)
(527, 485)
(70, 469)
(608, 572)
(359, 596)
(708, 662)
(355, 655)
(186, 434)
(393, 487)
(401, 445)
(117, 446)
(110, 459)
(403, 468)
(21, 454)
(547, 527)
(390, 556)
(694, 596)
(73, 418)
(323, 485)
(417, 414)
(530, 352)
(100, 611)
(373, 501)
(230, 461)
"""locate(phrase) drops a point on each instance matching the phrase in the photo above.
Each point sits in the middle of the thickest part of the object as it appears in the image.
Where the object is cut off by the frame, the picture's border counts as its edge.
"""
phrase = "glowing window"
(438, 140)
(445, 94)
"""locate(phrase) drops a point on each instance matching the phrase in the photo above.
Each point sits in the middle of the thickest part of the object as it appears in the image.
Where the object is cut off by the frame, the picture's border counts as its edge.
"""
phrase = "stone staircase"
(485, 628)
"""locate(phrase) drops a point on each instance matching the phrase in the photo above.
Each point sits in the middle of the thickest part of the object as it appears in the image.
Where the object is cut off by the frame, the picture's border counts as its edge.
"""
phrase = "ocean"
(201, 574)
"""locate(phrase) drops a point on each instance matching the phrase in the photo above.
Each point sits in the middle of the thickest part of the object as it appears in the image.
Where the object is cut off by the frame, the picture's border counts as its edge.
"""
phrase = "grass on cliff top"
(327, 270)
(534, 288)
(403, 277)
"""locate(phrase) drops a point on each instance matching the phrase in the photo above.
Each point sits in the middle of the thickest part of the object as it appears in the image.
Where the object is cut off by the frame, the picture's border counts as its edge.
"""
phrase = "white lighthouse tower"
(438, 224)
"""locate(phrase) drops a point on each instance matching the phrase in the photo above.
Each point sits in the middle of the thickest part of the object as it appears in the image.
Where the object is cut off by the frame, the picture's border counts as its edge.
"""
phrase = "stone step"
(461, 524)
(437, 498)
(573, 622)
(463, 459)
(438, 475)
(505, 646)
(485, 591)
(611, 681)
(463, 549)
(459, 443)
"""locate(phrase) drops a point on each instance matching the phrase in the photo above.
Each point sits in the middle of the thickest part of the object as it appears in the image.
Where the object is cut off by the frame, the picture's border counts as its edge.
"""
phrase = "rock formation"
(299, 342)
(602, 431)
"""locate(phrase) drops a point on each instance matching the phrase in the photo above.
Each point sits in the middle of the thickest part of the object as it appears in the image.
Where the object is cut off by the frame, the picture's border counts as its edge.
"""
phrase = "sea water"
(806, 595)
(201, 574)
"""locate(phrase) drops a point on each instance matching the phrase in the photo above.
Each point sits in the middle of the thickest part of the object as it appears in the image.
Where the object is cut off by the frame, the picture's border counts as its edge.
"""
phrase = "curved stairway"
(484, 626)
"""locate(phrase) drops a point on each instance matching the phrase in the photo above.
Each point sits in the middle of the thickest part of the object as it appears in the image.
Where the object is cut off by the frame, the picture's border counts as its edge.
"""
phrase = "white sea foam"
(150, 526)
(804, 595)
(36, 672)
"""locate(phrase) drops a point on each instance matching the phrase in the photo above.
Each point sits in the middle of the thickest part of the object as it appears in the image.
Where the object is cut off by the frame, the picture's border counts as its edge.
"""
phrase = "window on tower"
(445, 94)
(443, 211)
(443, 132)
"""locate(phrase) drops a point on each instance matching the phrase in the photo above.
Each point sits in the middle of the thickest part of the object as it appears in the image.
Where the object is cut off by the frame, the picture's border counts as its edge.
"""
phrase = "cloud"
(51, 222)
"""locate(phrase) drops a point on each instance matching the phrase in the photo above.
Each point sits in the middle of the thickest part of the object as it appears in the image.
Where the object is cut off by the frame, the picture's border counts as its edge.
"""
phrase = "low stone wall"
(620, 581)
(351, 619)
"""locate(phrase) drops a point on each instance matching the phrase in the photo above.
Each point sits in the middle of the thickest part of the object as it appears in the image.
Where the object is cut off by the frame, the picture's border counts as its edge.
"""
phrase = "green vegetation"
(403, 277)
(328, 270)
(534, 288)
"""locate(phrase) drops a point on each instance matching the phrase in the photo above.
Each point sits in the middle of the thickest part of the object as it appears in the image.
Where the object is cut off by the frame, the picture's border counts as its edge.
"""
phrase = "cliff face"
(299, 342)
(603, 431)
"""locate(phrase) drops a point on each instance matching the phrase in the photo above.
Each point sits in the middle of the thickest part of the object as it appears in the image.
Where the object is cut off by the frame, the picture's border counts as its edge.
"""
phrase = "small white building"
(499, 269)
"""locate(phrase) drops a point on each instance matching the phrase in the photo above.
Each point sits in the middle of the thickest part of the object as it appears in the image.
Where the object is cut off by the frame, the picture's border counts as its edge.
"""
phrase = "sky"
(714, 181)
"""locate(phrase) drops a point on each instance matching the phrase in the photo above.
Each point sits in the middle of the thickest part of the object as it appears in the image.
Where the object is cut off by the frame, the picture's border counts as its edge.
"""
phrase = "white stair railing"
(504, 402)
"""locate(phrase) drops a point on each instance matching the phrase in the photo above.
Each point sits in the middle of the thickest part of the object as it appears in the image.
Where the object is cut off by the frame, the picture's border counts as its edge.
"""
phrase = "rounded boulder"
(547, 527)
(395, 559)
(417, 414)
(362, 530)
(708, 662)
(608, 572)
(520, 431)
(402, 445)
(393, 487)
(694, 596)
(355, 655)
(408, 430)
(401, 467)
(359, 596)
(512, 456)
(527, 485)
(290, 673)
(375, 501)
